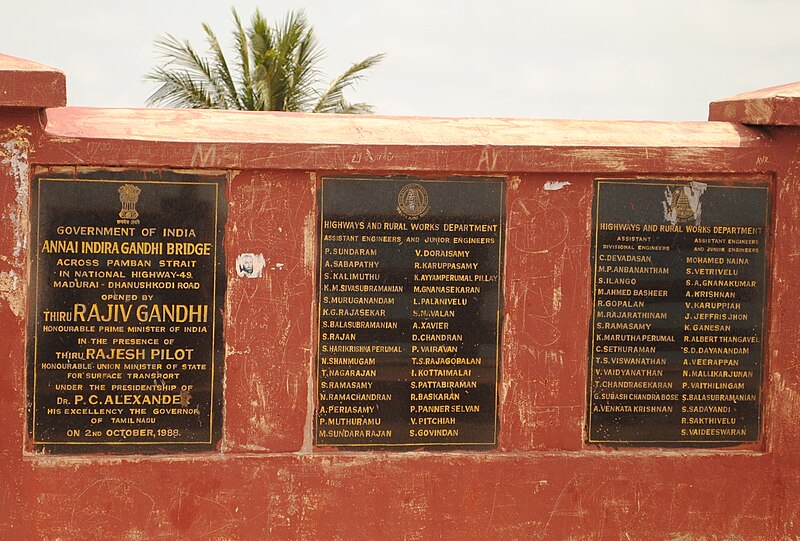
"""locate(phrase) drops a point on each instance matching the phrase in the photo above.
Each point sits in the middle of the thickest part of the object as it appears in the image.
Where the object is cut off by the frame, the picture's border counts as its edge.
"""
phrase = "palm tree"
(276, 70)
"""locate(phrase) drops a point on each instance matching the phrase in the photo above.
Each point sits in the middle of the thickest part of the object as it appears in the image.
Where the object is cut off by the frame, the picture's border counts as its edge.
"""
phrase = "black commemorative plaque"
(125, 347)
(679, 293)
(410, 274)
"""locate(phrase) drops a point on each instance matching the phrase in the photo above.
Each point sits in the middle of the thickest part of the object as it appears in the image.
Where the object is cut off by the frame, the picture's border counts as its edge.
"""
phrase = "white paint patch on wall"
(554, 185)
(14, 150)
(309, 240)
(11, 290)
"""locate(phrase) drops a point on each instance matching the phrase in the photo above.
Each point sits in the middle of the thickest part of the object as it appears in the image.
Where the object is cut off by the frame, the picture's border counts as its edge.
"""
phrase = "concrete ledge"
(28, 84)
(775, 106)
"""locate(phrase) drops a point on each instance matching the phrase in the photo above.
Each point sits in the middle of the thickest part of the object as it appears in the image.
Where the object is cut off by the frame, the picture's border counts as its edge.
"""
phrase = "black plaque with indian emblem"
(679, 300)
(410, 296)
(125, 348)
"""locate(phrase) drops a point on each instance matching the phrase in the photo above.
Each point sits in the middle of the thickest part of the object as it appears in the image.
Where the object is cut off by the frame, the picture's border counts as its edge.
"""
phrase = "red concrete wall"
(267, 481)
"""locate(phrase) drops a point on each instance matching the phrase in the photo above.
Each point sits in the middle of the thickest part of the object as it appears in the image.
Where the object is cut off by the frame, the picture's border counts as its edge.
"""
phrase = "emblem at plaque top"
(129, 196)
(412, 202)
(682, 205)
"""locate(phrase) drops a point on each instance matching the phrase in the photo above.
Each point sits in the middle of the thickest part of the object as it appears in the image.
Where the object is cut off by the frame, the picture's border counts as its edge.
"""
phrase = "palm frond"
(332, 100)
(276, 68)
(223, 81)
(179, 89)
(248, 96)
(184, 71)
(180, 54)
(262, 46)
(360, 108)
(261, 35)
(304, 76)
(288, 37)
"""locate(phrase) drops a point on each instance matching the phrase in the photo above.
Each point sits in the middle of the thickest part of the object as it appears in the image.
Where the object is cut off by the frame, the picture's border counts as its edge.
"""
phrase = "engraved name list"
(409, 308)
(678, 312)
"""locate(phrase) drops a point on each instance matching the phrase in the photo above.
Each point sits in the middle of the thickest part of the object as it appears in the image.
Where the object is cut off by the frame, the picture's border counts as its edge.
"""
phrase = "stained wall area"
(266, 479)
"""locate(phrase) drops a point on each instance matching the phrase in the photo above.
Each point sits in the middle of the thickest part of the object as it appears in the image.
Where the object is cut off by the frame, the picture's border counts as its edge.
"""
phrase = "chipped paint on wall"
(309, 240)
(12, 292)
(554, 185)
(14, 149)
(759, 110)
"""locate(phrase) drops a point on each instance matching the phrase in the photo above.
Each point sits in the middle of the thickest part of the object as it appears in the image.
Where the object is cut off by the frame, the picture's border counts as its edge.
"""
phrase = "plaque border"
(487, 445)
(766, 184)
(216, 371)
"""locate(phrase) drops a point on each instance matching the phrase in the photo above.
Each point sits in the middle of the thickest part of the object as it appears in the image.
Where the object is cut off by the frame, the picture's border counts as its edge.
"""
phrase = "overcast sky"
(617, 59)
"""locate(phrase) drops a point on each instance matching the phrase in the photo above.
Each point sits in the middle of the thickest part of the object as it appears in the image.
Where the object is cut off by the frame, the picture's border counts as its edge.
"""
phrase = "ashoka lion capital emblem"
(412, 201)
(129, 196)
(682, 204)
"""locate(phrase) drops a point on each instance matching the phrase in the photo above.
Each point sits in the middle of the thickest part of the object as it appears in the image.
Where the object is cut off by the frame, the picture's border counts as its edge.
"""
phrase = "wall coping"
(240, 127)
(774, 106)
(27, 84)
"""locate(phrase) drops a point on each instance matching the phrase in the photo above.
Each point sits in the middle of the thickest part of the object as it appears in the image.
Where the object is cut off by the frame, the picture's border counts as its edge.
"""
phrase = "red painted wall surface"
(267, 481)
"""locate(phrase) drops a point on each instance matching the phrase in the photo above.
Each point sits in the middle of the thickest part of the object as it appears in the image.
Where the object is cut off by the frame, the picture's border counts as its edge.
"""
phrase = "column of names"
(678, 315)
(408, 316)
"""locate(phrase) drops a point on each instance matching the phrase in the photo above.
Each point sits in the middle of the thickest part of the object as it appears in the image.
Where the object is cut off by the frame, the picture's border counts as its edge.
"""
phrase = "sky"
(578, 59)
